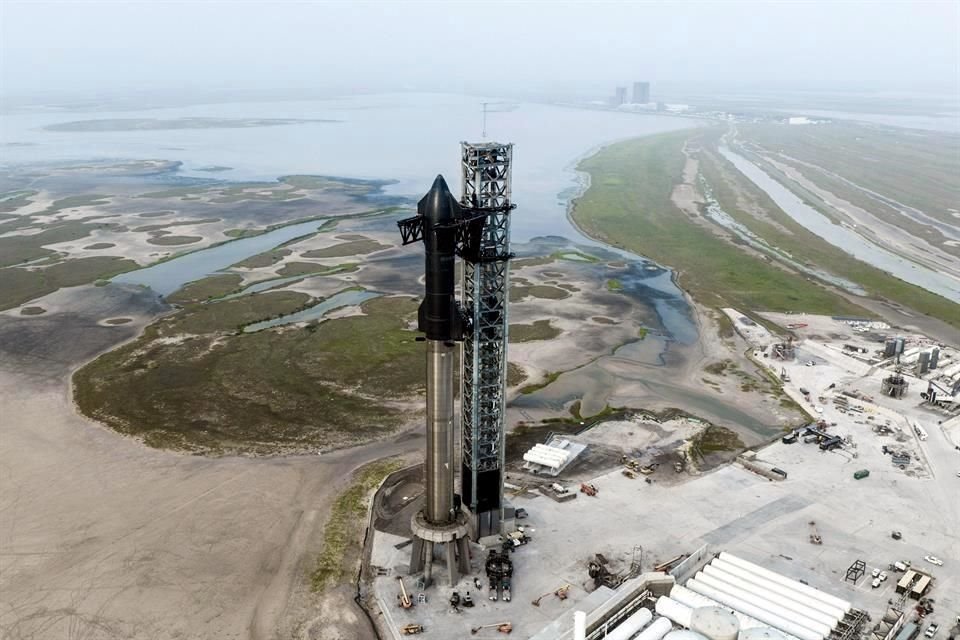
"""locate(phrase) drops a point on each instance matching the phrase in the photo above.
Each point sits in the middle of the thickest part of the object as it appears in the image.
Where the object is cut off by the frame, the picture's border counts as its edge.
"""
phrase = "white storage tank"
(670, 608)
(793, 584)
(759, 595)
(693, 600)
(715, 623)
(629, 627)
(754, 611)
(722, 569)
(776, 608)
(655, 630)
(761, 633)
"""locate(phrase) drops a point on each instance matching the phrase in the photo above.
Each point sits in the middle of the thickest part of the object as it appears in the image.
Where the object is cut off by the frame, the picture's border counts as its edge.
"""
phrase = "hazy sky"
(485, 47)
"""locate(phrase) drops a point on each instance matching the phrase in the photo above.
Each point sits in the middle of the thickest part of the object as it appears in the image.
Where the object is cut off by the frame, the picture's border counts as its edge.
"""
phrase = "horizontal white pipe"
(793, 584)
(756, 612)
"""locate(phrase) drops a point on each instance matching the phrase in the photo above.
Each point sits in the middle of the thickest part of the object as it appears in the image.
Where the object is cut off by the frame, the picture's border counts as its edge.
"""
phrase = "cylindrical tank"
(715, 623)
(626, 629)
(766, 604)
(759, 593)
(793, 584)
(754, 611)
(683, 634)
(579, 625)
(761, 633)
(440, 432)
(655, 630)
(670, 608)
(723, 567)
(692, 599)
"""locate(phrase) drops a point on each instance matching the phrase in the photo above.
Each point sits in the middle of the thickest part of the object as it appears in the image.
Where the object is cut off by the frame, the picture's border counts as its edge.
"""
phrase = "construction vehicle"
(589, 489)
(411, 629)
(630, 474)
(502, 627)
(646, 470)
(814, 534)
(403, 599)
(499, 568)
(561, 594)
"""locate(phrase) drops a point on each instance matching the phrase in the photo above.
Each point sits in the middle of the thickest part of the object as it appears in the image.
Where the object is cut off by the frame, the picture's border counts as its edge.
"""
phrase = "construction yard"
(900, 512)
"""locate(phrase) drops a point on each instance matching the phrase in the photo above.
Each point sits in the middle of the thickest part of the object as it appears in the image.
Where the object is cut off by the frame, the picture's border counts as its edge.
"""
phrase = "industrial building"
(641, 92)
(728, 598)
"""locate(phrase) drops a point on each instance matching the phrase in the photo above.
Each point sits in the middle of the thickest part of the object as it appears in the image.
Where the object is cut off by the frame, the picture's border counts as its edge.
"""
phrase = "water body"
(716, 213)
(842, 237)
(408, 137)
(167, 277)
(317, 311)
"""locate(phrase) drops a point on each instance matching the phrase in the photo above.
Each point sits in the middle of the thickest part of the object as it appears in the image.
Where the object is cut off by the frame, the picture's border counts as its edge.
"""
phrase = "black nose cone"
(438, 205)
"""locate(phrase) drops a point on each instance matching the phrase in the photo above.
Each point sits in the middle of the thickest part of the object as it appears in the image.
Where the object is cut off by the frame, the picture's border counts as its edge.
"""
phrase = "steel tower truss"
(486, 180)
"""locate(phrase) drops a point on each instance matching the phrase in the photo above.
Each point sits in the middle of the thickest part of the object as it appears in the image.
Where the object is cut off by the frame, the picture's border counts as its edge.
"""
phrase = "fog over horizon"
(487, 47)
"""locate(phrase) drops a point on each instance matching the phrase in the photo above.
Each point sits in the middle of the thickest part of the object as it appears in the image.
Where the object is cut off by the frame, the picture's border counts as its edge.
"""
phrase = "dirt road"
(101, 537)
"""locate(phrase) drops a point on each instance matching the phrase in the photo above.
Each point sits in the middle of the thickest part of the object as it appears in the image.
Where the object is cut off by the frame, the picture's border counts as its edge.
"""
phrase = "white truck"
(920, 431)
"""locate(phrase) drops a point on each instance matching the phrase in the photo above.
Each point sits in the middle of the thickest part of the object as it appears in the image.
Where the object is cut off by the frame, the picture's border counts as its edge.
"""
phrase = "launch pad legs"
(453, 537)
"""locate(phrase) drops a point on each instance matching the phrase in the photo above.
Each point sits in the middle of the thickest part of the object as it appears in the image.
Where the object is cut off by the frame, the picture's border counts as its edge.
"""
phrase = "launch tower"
(486, 183)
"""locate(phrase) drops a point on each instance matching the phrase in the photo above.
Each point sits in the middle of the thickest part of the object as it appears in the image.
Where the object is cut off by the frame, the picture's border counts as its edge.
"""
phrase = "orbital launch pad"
(475, 229)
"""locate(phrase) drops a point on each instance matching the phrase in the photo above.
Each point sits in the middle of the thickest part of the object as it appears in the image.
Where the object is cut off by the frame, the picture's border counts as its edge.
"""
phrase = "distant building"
(641, 92)
(799, 120)
(620, 96)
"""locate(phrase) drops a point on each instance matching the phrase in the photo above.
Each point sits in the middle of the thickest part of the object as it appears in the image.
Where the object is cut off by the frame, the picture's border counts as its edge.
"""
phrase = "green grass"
(344, 249)
(206, 289)
(715, 439)
(312, 268)
(19, 285)
(787, 234)
(264, 259)
(13, 200)
(234, 314)
(32, 311)
(549, 379)
(23, 248)
(614, 285)
(539, 330)
(342, 382)
(342, 537)
(515, 375)
(628, 205)
(174, 240)
(544, 291)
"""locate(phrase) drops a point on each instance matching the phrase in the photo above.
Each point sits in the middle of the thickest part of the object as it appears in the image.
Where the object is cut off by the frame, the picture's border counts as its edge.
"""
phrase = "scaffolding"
(856, 571)
(485, 249)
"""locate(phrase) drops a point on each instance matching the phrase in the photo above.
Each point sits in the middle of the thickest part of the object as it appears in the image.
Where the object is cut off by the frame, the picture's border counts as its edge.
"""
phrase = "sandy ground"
(101, 537)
